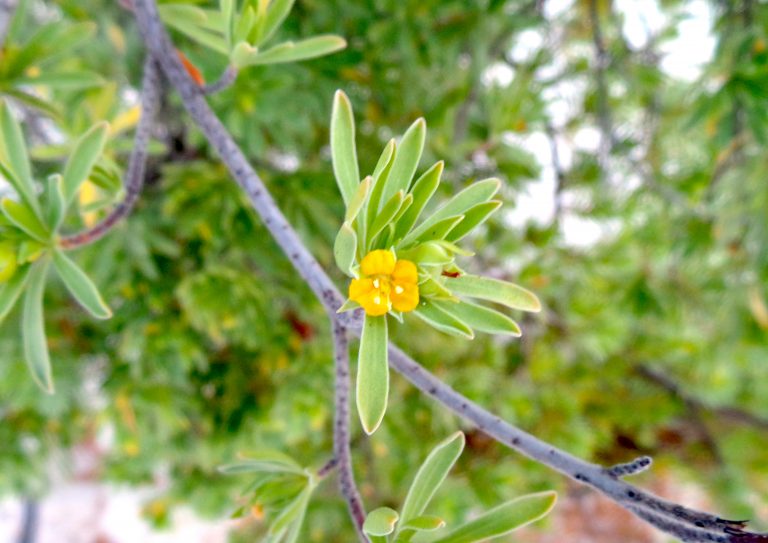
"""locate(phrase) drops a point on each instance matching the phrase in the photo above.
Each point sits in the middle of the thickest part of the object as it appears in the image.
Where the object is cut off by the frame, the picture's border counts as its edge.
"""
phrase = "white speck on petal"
(398, 289)
(377, 300)
(376, 284)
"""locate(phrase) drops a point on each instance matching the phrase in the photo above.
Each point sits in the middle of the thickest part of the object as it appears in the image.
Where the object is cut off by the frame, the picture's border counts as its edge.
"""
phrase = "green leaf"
(384, 218)
(422, 191)
(474, 194)
(380, 521)
(474, 217)
(431, 253)
(87, 151)
(481, 318)
(493, 290)
(13, 155)
(266, 461)
(80, 286)
(193, 30)
(290, 51)
(372, 373)
(343, 150)
(33, 328)
(227, 9)
(25, 219)
(503, 519)
(359, 199)
(430, 476)
(55, 209)
(75, 80)
(424, 523)
(380, 176)
(433, 230)
(445, 322)
(407, 159)
(35, 102)
(345, 249)
(276, 14)
(245, 23)
(292, 517)
(12, 289)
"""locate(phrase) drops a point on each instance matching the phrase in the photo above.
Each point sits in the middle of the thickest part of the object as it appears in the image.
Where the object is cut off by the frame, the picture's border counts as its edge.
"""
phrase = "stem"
(227, 78)
(654, 510)
(134, 179)
(341, 434)
(29, 522)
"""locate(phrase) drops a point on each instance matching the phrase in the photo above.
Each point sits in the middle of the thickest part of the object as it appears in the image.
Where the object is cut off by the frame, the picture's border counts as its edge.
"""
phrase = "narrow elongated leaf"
(380, 521)
(503, 519)
(358, 201)
(227, 8)
(55, 209)
(423, 189)
(474, 217)
(345, 248)
(203, 36)
(13, 155)
(87, 151)
(35, 102)
(384, 217)
(276, 14)
(445, 322)
(343, 149)
(65, 80)
(80, 286)
(432, 230)
(266, 461)
(245, 23)
(372, 387)
(292, 516)
(481, 318)
(25, 219)
(424, 523)
(407, 159)
(12, 289)
(291, 51)
(380, 176)
(33, 329)
(431, 475)
(474, 194)
(493, 290)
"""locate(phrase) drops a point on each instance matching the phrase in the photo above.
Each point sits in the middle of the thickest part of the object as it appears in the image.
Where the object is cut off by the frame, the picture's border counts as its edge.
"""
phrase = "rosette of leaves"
(280, 489)
(399, 262)
(30, 222)
(385, 525)
(240, 32)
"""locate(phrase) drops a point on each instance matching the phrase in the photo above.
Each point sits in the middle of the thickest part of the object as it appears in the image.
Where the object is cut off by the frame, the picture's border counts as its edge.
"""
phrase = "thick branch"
(341, 449)
(658, 512)
(134, 178)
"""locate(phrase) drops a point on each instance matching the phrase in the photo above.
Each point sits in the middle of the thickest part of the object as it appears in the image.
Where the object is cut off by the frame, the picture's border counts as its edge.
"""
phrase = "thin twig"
(341, 435)
(227, 78)
(134, 178)
(653, 509)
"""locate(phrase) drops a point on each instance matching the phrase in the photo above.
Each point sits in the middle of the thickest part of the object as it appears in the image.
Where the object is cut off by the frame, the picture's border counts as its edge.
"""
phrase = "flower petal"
(405, 296)
(379, 262)
(405, 272)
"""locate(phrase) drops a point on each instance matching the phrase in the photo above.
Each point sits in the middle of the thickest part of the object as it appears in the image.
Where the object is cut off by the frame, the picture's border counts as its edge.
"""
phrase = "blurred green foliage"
(217, 347)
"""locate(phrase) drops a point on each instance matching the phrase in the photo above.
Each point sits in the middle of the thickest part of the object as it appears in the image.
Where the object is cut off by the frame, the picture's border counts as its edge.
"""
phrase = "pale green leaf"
(25, 219)
(474, 217)
(359, 199)
(445, 322)
(265, 461)
(372, 373)
(75, 80)
(33, 328)
(407, 159)
(430, 476)
(13, 155)
(423, 189)
(80, 286)
(292, 51)
(380, 521)
(432, 231)
(493, 290)
(345, 249)
(56, 206)
(480, 318)
(424, 523)
(276, 13)
(503, 519)
(85, 154)
(12, 289)
(343, 149)
(380, 176)
(383, 218)
(476, 193)
(291, 518)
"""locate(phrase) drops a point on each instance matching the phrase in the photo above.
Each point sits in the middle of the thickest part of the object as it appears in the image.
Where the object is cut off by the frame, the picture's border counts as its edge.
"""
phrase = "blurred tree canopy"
(650, 252)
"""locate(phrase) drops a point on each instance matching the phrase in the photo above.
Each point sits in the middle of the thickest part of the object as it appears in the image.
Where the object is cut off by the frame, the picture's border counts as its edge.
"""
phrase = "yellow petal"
(405, 272)
(359, 288)
(374, 303)
(379, 262)
(405, 296)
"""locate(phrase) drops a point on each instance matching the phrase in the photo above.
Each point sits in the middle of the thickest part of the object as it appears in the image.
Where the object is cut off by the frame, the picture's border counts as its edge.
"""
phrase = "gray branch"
(134, 177)
(674, 519)
(341, 436)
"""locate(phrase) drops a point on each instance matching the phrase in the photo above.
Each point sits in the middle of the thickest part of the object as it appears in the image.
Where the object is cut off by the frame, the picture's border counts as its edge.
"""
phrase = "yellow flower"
(385, 284)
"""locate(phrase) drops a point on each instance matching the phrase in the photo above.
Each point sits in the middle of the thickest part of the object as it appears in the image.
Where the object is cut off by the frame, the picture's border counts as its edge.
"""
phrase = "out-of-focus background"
(630, 137)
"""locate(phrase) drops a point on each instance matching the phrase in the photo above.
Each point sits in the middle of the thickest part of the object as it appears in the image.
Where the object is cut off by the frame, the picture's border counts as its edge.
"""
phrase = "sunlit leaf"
(494, 290)
(372, 373)
(80, 286)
